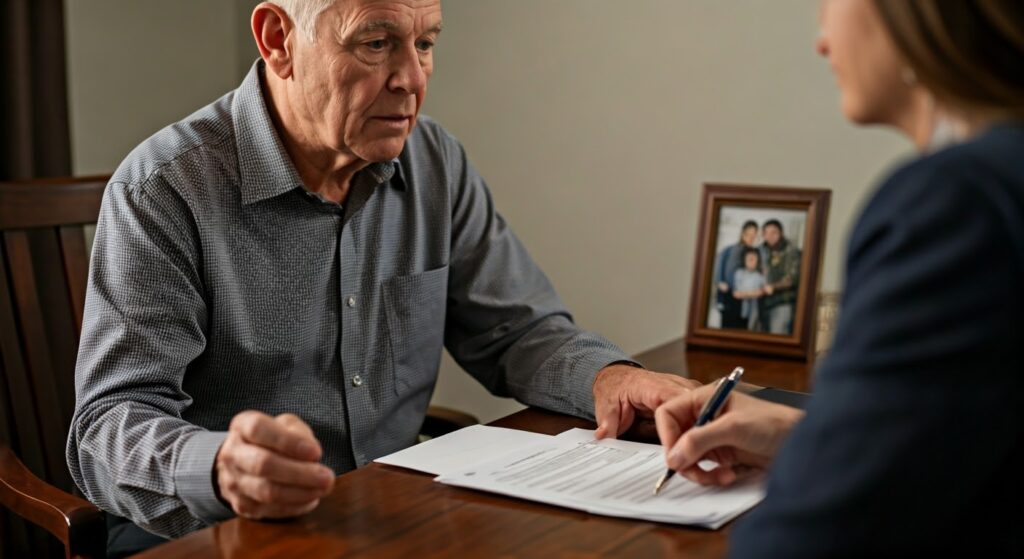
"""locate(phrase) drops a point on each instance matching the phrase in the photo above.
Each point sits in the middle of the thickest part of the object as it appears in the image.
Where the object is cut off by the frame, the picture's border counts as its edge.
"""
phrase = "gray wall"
(245, 47)
(595, 123)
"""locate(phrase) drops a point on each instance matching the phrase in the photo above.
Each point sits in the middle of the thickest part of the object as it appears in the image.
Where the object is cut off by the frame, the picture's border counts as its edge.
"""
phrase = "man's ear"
(275, 36)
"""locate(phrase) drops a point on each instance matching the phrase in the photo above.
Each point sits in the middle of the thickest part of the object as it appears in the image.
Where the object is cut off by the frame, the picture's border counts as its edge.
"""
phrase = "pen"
(708, 412)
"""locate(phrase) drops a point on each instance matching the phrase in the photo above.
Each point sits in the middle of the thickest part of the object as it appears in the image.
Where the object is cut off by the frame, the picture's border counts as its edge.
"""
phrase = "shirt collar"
(397, 175)
(264, 169)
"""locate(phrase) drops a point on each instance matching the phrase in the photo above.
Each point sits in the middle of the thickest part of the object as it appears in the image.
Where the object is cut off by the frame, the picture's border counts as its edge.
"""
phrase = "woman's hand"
(743, 439)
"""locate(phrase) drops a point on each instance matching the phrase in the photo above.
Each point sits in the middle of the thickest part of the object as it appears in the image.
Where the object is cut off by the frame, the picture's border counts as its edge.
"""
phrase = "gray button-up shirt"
(219, 284)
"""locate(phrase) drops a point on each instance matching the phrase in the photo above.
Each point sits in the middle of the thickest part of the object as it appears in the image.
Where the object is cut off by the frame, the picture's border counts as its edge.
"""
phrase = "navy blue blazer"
(914, 434)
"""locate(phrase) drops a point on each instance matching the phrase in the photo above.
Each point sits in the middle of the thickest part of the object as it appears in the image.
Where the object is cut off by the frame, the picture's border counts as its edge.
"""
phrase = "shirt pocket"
(415, 307)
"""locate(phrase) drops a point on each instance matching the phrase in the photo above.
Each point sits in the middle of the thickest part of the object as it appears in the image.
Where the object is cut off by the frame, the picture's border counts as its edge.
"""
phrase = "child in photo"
(749, 285)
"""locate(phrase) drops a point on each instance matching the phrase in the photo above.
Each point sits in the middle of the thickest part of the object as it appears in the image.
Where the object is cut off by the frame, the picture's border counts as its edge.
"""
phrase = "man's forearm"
(137, 462)
(555, 364)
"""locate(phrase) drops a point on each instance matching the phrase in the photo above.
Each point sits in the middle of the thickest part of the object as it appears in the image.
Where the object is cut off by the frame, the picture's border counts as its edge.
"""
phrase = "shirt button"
(357, 381)
(351, 301)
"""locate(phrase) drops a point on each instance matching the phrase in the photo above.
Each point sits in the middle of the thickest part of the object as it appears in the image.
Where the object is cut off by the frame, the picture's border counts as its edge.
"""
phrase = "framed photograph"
(756, 274)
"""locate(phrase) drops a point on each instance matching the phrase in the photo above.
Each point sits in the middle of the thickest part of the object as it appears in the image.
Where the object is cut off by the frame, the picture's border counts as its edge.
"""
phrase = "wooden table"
(381, 511)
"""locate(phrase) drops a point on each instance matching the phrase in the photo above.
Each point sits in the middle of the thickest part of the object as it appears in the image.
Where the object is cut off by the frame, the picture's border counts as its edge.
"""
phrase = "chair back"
(45, 232)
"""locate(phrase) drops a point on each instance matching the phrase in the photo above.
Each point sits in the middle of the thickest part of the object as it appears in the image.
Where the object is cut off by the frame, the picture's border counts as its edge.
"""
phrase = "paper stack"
(608, 477)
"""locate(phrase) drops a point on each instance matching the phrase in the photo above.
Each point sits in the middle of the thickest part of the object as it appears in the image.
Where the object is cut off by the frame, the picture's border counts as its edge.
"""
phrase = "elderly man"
(274, 278)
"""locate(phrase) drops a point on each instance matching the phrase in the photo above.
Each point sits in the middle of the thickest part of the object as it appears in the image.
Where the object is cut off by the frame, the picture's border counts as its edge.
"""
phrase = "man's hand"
(624, 394)
(268, 467)
(743, 440)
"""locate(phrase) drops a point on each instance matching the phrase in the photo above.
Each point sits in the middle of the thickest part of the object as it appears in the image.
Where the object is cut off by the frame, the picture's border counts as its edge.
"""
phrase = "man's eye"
(425, 45)
(377, 45)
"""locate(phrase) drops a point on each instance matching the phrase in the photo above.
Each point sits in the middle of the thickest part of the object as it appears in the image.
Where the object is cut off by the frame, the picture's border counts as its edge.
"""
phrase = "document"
(453, 451)
(608, 477)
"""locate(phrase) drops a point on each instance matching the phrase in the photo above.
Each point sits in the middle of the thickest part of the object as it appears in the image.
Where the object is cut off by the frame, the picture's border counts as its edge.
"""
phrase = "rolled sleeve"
(577, 362)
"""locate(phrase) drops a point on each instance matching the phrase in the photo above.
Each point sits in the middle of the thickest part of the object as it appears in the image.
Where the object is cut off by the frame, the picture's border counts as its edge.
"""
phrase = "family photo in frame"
(757, 269)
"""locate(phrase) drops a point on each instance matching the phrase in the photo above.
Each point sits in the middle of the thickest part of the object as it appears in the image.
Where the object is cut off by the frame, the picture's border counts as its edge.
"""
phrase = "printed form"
(608, 477)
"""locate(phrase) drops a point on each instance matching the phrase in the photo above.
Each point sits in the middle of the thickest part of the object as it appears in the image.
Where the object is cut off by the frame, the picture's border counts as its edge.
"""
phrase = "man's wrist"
(626, 362)
(192, 476)
(614, 365)
(215, 480)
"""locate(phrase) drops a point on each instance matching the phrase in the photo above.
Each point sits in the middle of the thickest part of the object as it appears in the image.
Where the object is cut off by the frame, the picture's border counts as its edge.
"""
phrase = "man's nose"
(407, 74)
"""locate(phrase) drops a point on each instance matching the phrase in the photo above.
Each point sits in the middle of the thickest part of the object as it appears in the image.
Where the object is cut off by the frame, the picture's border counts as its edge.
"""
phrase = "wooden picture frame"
(727, 308)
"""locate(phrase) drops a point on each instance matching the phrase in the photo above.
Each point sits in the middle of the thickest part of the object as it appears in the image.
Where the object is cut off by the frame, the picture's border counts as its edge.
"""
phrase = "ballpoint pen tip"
(657, 486)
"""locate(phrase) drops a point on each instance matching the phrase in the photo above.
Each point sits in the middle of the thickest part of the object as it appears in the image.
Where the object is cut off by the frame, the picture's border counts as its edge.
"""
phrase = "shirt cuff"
(193, 476)
(629, 362)
(592, 363)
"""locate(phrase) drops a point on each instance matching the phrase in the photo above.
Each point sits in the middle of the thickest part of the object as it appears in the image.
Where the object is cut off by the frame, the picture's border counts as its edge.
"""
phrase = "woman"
(913, 441)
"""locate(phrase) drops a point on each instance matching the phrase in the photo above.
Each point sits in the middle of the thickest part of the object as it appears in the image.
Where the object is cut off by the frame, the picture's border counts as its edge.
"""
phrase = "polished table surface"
(382, 511)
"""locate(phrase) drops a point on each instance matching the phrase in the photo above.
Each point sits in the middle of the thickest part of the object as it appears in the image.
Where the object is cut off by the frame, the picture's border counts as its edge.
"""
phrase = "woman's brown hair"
(968, 53)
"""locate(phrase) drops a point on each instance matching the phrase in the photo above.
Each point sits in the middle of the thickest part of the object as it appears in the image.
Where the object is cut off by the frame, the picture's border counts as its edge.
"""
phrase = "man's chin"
(382, 150)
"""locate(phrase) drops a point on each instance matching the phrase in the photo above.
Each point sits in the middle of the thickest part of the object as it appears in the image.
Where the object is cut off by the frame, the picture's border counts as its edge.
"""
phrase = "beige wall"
(594, 121)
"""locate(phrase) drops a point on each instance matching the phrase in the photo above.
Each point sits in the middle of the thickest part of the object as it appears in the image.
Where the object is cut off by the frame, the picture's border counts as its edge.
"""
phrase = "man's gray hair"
(304, 14)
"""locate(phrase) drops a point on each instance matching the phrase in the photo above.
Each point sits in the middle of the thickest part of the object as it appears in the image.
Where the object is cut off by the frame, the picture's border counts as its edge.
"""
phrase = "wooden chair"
(441, 421)
(43, 274)
(43, 267)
